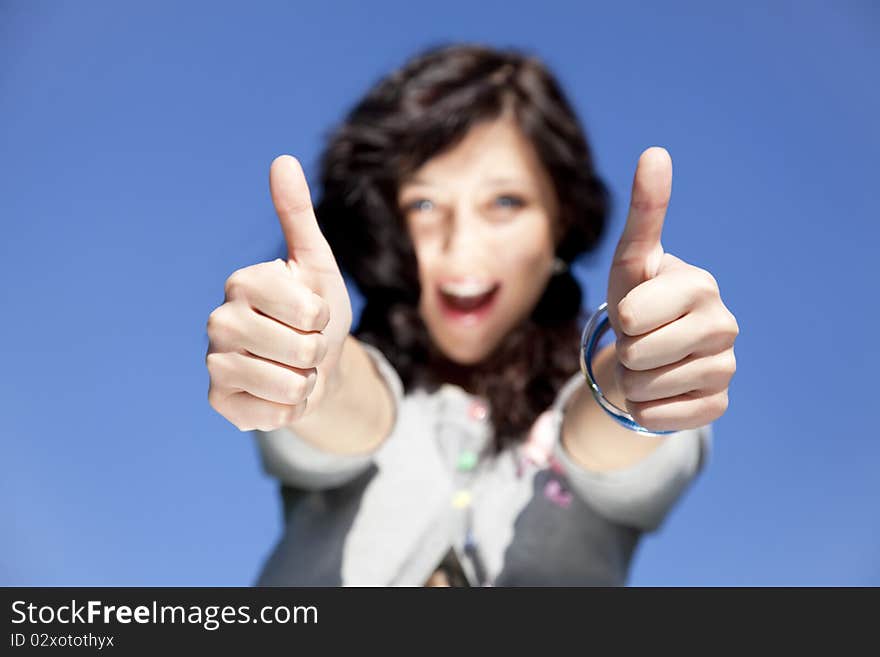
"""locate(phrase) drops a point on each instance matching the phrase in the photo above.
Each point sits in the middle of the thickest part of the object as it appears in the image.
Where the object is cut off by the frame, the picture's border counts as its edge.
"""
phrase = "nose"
(461, 237)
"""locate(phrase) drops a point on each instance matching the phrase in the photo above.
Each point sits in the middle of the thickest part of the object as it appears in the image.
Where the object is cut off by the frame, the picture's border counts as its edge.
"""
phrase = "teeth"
(466, 288)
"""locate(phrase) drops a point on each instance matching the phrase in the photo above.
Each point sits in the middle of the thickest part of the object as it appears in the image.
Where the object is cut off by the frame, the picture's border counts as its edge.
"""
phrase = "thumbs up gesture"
(276, 341)
(675, 336)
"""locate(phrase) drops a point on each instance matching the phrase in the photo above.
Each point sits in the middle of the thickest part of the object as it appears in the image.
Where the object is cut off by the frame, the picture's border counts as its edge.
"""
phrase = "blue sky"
(135, 143)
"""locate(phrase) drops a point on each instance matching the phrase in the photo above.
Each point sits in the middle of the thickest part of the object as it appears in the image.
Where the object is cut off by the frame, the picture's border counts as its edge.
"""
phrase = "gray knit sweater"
(530, 516)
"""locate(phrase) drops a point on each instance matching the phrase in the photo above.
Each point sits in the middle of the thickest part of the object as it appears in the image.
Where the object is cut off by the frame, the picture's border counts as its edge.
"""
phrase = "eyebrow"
(498, 180)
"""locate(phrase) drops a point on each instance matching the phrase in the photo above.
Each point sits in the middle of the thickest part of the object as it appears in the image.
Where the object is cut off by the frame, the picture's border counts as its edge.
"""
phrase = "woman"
(451, 438)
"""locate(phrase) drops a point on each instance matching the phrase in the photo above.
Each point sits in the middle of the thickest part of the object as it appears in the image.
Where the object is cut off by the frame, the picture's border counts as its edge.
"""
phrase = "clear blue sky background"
(134, 151)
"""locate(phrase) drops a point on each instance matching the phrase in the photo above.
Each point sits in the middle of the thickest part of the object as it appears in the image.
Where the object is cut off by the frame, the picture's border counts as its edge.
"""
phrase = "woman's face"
(481, 217)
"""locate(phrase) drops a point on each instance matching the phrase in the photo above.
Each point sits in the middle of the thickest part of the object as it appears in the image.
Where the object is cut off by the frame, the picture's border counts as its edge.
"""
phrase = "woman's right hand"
(276, 341)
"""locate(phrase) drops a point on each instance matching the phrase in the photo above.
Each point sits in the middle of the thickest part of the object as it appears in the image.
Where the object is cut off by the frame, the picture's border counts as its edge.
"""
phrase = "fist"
(276, 341)
(675, 336)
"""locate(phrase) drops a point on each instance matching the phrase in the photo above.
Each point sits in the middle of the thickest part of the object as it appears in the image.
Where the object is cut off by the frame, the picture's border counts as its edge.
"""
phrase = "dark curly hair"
(416, 112)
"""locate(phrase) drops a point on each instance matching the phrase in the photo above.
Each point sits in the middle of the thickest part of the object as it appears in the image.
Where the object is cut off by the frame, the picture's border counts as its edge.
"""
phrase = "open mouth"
(471, 300)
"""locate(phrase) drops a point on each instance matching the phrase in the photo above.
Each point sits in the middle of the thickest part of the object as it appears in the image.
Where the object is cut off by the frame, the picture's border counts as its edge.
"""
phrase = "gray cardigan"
(530, 516)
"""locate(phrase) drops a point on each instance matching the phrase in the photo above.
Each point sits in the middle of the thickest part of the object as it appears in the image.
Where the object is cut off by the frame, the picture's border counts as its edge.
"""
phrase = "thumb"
(639, 251)
(306, 244)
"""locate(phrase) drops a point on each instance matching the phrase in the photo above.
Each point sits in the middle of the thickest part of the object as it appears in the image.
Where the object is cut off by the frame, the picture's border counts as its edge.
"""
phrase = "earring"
(559, 265)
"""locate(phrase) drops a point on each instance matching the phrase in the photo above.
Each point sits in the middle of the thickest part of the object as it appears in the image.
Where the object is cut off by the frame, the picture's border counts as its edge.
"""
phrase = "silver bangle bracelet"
(596, 327)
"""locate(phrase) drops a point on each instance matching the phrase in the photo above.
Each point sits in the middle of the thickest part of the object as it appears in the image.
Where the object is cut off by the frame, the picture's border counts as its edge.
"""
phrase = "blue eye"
(422, 204)
(508, 201)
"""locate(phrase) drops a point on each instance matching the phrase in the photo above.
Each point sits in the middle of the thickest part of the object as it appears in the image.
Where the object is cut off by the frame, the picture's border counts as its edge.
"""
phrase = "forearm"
(592, 438)
(357, 410)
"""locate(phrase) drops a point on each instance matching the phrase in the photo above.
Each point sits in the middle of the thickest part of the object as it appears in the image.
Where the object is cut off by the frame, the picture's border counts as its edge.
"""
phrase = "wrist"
(340, 370)
(604, 371)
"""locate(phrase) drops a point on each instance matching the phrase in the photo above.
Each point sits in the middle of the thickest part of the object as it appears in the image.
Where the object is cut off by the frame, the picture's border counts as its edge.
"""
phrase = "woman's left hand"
(675, 336)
